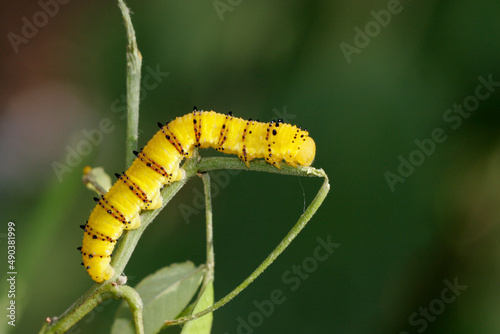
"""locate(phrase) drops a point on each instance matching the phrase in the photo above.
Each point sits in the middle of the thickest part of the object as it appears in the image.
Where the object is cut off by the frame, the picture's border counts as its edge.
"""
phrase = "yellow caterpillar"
(158, 164)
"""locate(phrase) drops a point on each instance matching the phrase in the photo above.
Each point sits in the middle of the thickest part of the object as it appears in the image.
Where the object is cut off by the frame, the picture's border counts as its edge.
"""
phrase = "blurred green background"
(401, 246)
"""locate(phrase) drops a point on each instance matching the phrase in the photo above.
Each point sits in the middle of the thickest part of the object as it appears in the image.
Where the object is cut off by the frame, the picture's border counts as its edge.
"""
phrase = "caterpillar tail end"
(307, 151)
(100, 271)
(106, 274)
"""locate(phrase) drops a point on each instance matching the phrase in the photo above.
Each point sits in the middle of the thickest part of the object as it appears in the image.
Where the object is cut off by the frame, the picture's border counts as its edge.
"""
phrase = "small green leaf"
(202, 325)
(96, 179)
(164, 295)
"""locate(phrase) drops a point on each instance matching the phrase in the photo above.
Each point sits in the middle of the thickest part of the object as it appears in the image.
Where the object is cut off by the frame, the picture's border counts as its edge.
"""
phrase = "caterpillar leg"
(135, 222)
(244, 158)
(108, 272)
(99, 268)
(177, 175)
(276, 162)
(156, 202)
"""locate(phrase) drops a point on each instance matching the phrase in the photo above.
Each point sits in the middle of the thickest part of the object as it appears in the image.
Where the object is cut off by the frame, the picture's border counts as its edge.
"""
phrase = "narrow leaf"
(202, 325)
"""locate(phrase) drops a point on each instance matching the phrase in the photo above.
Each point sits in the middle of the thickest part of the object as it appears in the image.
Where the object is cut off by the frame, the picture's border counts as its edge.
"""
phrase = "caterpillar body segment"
(157, 165)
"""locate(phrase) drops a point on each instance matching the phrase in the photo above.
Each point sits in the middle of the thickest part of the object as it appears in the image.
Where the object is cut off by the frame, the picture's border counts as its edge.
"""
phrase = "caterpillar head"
(306, 153)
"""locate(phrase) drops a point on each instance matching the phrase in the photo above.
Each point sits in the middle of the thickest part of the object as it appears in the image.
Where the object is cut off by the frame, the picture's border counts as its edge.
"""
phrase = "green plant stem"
(134, 63)
(134, 303)
(301, 223)
(209, 276)
(96, 295)
(209, 164)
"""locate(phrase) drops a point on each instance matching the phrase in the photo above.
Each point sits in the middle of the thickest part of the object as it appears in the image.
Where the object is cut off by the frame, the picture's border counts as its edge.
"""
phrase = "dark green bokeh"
(267, 60)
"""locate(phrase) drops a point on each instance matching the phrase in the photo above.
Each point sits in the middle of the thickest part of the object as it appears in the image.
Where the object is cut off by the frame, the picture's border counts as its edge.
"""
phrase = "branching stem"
(125, 248)
(210, 262)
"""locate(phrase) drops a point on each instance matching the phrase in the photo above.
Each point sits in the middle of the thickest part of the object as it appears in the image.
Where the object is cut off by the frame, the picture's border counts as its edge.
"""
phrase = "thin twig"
(134, 303)
(96, 295)
(209, 276)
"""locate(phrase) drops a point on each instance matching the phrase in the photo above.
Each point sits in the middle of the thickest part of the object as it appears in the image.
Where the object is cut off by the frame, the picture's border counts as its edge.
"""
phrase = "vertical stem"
(210, 239)
(134, 62)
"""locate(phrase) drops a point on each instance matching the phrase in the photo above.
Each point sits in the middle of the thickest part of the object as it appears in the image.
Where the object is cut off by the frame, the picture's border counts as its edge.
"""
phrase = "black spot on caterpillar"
(157, 164)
